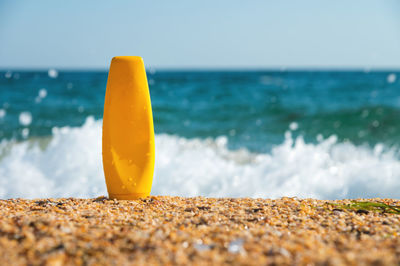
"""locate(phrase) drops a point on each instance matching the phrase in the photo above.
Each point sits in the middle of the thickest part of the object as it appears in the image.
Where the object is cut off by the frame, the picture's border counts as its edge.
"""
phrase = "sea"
(238, 133)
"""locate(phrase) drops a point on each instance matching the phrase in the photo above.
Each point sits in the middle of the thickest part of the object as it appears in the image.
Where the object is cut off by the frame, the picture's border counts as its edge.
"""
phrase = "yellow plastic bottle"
(128, 131)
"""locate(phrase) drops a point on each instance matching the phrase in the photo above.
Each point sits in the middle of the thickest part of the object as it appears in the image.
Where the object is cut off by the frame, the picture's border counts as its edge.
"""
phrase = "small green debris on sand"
(367, 206)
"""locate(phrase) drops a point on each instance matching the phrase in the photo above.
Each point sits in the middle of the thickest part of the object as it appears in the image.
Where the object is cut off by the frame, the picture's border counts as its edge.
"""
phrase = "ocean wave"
(69, 164)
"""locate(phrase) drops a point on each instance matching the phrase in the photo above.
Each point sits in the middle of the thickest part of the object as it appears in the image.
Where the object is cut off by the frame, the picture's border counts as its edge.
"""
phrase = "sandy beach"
(176, 230)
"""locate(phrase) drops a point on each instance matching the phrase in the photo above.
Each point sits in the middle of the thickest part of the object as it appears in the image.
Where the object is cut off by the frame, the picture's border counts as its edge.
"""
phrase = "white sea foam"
(70, 166)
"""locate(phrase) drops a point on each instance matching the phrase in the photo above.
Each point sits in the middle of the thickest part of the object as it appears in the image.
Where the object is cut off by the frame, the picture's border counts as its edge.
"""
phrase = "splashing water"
(69, 164)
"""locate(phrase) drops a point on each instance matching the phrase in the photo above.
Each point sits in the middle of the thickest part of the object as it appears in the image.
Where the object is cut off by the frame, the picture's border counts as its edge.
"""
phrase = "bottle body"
(128, 131)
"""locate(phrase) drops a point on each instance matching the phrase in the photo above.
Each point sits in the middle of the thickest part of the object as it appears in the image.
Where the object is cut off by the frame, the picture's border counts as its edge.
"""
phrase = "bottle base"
(132, 196)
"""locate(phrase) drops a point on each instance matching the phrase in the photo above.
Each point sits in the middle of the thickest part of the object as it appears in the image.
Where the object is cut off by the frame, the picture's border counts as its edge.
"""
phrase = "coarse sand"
(201, 231)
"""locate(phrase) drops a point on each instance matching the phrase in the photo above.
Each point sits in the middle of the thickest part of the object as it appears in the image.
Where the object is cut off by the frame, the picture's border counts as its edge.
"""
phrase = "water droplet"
(25, 118)
(42, 93)
(52, 73)
(25, 133)
(391, 78)
(8, 74)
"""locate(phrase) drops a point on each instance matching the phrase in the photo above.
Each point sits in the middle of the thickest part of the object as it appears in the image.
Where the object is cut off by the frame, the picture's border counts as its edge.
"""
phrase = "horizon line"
(211, 69)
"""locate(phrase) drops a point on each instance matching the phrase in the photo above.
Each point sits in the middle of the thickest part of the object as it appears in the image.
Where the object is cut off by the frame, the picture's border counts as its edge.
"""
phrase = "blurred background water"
(325, 134)
(252, 108)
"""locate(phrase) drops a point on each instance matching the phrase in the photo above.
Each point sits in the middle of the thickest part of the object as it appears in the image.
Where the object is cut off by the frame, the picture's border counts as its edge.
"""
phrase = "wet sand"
(176, 230)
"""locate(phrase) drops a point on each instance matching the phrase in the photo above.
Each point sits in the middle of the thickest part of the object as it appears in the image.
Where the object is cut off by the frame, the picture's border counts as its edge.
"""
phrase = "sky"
(173, 34)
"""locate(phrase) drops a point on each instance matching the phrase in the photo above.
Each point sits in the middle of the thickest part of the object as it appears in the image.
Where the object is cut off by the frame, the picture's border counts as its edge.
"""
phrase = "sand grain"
(176, 230)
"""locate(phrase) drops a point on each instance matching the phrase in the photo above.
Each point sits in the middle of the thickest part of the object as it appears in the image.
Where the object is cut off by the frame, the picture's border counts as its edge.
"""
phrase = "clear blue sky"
(200, 34)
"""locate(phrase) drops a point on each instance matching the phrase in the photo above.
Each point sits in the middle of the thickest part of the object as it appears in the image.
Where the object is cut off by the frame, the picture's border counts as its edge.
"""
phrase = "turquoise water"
(252, 108)
(321, 134)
